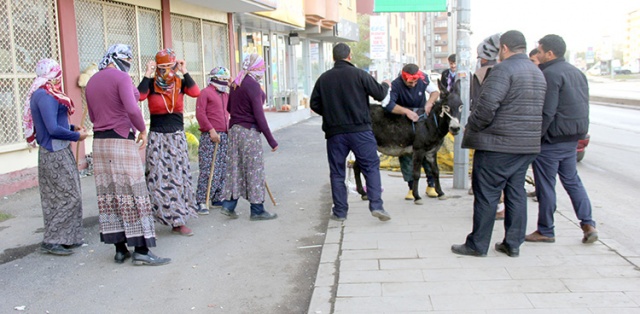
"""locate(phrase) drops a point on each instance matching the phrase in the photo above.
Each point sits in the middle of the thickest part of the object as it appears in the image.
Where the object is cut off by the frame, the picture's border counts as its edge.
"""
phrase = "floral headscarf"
(253, 65)
(46, 71)
(219, 78)
(117, 54)
(166, 83)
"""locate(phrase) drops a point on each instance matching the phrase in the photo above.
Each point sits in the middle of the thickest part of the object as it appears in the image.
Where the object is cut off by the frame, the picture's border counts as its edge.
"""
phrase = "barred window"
(203, 45)
(28, 33)
(101, 24)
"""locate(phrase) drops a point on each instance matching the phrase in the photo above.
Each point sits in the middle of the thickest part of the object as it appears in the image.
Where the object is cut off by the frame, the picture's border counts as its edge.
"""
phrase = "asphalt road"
(228, 266)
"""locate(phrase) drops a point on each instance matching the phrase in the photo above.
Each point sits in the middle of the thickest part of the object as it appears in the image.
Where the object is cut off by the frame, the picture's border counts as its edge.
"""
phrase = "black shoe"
(504, 248)
(381, 214)
(121, 257)
(72, 246)
(149, 259)
(264, 216)
(337, 218)
(230, 213)
(55, 249)
(463, 249)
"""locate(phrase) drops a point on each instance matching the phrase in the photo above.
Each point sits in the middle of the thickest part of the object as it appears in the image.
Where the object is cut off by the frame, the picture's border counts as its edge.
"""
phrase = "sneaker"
(431, 192)
(264, 216)
(182, 230)
(381, 214)
(149, 259)
(337, 218)
(409, 196)
(229, 213)
(590, 234)
(55, 249)
(202, 209)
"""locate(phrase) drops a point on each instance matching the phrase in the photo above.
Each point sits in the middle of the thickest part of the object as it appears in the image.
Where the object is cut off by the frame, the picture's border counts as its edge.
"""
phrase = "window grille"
(28, 33)
(101, 24)
(203, 45)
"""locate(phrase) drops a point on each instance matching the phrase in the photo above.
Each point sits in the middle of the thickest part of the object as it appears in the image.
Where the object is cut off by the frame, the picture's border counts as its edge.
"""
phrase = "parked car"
(582, 144)
(622, 71)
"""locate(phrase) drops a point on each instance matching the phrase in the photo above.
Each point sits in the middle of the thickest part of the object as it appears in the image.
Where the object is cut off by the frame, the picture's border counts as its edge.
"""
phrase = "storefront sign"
(378, 37)
(288, 11)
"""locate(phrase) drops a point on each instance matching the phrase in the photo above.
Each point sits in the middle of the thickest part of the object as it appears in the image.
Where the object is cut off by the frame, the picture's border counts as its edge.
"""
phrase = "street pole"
(463, 56)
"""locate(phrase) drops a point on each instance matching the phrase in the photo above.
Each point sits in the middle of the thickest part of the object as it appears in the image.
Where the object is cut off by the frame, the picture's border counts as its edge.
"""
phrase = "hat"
(488, 49)
(165, 56)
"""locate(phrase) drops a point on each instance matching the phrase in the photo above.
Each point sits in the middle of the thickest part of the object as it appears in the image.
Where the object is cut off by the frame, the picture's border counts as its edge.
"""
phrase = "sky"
(581, 23)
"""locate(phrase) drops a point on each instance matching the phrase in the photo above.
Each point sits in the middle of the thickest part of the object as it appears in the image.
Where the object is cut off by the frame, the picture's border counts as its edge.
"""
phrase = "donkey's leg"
(418, 156)
(356, 174)
(432, 160)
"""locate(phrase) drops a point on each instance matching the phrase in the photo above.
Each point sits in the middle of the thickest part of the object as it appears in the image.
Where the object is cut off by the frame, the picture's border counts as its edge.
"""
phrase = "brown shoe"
(500, 215)
(538, 237)
(590, 234)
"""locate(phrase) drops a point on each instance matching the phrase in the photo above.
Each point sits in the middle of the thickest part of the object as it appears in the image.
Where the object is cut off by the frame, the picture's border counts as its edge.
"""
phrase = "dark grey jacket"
(565, 117)
(508, 115)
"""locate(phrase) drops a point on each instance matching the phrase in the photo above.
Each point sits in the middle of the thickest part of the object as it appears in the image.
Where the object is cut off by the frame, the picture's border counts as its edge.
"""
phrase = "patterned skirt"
(168, 176)
(245, 166)
(205, 156)
(123, 200)
(60, 196)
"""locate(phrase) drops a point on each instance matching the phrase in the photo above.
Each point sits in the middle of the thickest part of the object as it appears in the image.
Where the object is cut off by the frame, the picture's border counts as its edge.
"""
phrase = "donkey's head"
(451, 103)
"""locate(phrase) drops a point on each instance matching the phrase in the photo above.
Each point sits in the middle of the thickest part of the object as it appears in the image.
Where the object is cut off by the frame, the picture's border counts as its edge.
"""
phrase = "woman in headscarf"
(167, 168)
(46, 121)
(245, 163)
(213, 118)
(125, 217)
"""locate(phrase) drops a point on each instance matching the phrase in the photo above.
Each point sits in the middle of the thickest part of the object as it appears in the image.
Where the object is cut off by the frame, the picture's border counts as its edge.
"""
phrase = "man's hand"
(214, 136)
(427, 108)
(411, 115)
(142, 139)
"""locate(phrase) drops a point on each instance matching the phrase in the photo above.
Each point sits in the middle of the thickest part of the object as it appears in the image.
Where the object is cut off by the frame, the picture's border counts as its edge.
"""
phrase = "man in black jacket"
(341, 97)
(504, 129)
(448, 77)
(565, 120)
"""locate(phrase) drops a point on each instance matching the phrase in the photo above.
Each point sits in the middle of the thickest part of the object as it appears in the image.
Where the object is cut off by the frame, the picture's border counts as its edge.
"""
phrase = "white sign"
(378, 37)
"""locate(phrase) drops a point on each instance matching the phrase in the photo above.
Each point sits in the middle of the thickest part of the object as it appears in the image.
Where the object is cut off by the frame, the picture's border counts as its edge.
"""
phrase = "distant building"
(632, 48)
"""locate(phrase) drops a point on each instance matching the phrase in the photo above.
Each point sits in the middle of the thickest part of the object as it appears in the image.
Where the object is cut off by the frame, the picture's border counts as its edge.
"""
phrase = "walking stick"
(213, 165)
(273, 200)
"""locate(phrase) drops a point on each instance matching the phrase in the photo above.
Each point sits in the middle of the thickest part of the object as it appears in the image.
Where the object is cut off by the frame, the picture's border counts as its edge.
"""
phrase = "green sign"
(409, 6)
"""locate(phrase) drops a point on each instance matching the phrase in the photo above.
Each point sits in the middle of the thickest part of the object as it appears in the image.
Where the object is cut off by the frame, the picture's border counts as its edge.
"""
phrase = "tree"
(360, 49)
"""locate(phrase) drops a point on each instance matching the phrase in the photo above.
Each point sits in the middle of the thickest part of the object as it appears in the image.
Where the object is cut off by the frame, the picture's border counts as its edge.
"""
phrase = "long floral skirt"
(245, 166)
(205, 156)
(168, 176)
(60, 196)
(123, 200)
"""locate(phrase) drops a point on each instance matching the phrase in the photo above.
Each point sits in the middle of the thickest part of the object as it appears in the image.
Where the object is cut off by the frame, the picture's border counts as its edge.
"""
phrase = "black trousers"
(493, 173)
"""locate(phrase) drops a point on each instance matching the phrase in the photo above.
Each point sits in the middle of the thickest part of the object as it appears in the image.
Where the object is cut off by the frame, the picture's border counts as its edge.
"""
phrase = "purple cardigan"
(112, 100)
(211, 110)
(245, 107)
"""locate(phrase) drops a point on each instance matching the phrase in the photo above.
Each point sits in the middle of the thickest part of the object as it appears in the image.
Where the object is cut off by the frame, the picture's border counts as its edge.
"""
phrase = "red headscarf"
(167, 84)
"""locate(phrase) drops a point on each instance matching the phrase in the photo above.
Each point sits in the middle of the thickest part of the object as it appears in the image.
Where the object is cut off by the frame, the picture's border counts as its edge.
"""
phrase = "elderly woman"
(123, 200)
(245, 163)
(168, 171)
(47, 110)
(213, 118)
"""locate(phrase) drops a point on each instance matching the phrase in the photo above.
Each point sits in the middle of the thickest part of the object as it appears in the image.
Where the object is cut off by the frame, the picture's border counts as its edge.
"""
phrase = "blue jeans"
(492, 174)
(559, 159)
(230, 205)
(364, 147)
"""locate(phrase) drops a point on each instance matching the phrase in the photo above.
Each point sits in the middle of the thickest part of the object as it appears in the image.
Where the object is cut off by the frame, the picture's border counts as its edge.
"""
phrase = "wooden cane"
(84, 116)
(273, 200)
(213, 165)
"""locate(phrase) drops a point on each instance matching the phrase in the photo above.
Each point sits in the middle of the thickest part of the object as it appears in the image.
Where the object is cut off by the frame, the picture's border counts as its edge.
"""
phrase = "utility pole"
(463, 60)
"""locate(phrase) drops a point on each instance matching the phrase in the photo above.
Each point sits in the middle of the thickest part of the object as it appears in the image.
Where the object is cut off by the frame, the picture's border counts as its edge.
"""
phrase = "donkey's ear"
(440, 86)
(456, 87)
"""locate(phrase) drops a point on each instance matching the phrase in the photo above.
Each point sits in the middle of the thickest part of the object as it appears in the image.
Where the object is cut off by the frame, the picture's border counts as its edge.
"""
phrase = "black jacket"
(444, 79)
(508, 115)
(341, 97)
(565, 117)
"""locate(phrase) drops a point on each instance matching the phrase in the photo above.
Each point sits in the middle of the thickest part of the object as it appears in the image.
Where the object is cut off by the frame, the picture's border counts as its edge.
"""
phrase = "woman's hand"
(214, 136)
(182, 66)
(274, 149)
(151, 69)
(142, 139)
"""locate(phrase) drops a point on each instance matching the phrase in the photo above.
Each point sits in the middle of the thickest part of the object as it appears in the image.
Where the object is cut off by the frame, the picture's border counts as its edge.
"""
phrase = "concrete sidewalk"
(405, 265)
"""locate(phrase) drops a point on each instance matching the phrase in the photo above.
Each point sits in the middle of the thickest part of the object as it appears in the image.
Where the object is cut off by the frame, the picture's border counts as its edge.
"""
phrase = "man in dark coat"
(565, 120)
(341, 97)
(504, 129)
